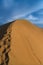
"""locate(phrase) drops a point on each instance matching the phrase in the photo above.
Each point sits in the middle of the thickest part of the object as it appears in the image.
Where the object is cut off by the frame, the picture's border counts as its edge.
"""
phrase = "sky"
(31, 10)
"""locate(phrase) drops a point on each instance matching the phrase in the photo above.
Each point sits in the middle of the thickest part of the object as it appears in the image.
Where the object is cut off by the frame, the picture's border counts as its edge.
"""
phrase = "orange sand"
(26, 44)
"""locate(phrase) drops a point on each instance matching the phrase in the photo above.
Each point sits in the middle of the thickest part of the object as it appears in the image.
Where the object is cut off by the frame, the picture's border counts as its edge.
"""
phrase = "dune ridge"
(26, 43)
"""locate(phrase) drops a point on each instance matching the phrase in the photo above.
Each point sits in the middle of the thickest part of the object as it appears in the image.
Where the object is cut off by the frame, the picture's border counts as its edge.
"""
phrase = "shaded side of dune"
(5, 38)
(3, 30)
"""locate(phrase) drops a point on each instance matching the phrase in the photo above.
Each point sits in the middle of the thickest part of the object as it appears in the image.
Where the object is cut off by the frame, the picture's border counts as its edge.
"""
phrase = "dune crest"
(26, 43)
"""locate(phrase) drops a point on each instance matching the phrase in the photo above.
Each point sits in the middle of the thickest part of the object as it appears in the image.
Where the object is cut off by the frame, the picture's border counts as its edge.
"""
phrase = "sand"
(26, 43)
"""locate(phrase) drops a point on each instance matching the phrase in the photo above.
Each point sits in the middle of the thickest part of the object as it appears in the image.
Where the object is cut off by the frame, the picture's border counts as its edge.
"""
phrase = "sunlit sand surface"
(26, 43)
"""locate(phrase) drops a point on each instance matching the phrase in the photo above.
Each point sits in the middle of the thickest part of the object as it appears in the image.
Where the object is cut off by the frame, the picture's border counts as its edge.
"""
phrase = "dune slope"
(5, 39)
(26, 44)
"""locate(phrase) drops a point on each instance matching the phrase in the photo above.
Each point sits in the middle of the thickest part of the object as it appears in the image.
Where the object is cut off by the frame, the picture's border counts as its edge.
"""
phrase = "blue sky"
(31, 10)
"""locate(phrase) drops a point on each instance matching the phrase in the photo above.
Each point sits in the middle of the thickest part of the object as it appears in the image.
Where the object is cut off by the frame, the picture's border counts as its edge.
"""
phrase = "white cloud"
(14, 17)
(31, 17)
(34, 20)
(38, 22)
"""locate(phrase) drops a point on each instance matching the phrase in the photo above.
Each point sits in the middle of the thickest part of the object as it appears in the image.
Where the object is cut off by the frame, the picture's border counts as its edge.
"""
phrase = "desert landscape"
(21, 43)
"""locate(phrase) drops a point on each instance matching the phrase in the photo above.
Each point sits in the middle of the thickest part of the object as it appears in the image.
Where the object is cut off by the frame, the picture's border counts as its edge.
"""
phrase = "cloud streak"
(24, 9)
(31, 17)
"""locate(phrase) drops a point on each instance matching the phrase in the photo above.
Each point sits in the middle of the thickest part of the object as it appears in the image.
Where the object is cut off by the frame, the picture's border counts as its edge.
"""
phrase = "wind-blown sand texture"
(26, 44)
(5, 33)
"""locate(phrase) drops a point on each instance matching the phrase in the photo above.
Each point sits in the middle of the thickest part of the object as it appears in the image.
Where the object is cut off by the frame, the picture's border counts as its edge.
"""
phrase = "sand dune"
(26, 43)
